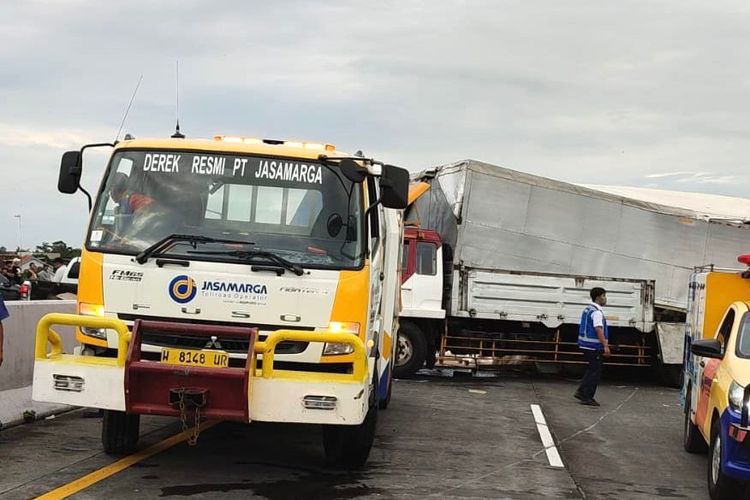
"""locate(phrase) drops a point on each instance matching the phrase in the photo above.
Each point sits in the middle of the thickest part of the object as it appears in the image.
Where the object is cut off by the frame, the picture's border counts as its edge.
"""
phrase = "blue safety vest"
(587, 333)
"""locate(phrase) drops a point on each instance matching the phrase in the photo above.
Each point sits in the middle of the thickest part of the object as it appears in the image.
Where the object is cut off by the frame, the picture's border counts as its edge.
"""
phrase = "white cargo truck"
(498, 265)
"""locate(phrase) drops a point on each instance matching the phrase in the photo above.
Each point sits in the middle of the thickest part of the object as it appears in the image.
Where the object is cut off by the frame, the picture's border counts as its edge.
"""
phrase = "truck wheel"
(692, 440)
(720, 486)
(120, 432)
(348, 446)
(671, 375)
(410, 351)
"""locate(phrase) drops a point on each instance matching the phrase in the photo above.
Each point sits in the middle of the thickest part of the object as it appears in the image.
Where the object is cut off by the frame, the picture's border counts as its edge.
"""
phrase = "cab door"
(707, 369)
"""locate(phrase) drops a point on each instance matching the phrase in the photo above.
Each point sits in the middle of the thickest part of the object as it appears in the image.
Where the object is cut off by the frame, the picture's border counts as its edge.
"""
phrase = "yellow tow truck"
(233, 278)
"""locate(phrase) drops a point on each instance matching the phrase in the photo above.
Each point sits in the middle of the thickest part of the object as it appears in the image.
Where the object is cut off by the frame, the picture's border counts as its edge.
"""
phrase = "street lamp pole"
(20, 234)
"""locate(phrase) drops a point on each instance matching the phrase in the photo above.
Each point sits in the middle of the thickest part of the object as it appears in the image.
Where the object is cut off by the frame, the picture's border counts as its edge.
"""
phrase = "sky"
(636, 93)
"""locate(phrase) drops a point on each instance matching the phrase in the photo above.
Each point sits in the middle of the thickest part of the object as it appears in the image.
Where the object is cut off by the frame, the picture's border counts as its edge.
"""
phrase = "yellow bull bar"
(45, 334)
(267, 348)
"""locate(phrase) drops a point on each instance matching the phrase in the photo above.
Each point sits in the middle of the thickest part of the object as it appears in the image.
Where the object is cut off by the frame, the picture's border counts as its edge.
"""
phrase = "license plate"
(191, 357)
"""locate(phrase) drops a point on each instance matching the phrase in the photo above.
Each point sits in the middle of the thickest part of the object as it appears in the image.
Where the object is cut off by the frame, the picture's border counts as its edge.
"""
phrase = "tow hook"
(189, 400)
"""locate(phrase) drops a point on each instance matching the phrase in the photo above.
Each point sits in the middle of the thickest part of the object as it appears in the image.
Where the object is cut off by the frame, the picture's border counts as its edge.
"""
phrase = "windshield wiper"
(194, 239)
(248, 255)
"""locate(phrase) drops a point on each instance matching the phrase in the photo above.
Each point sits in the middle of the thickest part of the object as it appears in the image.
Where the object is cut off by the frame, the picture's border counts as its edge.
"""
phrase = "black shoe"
(578, 396)
(590, 402)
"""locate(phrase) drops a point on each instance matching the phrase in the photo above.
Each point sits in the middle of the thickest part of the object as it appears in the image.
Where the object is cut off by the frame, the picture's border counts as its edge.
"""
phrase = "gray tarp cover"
(497, 218)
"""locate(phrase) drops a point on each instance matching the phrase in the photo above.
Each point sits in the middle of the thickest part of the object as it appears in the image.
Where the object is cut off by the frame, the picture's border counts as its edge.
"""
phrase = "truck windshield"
(743, 337)
(300, 210)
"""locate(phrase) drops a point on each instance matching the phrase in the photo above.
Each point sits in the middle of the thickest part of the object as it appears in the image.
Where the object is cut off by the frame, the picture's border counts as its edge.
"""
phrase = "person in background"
(31, 273)
(45, 274)
(15, 271)
(593, 340)
(60, 270)
(3, 316)
(5, 271)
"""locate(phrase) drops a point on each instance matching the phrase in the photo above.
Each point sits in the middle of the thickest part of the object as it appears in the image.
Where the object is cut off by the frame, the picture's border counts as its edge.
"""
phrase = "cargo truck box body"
(516, 254)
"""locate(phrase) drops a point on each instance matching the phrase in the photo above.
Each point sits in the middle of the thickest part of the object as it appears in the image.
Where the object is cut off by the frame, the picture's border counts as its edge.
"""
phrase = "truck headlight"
(85, 309)
(336, 348)
(736, 396)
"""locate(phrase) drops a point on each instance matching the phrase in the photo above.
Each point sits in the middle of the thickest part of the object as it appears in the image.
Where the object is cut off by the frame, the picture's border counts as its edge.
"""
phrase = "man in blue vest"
(593, 340)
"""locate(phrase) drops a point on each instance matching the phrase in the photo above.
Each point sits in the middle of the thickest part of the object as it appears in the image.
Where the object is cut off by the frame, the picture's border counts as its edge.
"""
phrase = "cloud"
(19, 135)
(668, 174)
(592, 92)
(695, 177)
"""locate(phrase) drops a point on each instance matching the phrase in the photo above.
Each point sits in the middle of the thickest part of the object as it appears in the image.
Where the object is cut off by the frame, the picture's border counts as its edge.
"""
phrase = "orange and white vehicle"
(236, 279)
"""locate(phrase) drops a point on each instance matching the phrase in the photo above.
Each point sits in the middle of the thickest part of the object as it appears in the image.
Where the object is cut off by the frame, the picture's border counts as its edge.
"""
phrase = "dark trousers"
(587, 389)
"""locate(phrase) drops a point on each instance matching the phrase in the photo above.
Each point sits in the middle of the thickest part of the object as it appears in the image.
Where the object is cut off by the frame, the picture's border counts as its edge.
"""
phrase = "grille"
(229, 344)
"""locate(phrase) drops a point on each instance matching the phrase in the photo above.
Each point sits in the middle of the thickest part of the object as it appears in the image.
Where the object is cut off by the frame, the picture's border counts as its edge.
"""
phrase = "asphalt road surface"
(440, 438)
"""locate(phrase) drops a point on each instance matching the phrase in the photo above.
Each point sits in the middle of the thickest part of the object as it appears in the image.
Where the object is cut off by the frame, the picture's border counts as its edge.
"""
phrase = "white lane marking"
(549, 444)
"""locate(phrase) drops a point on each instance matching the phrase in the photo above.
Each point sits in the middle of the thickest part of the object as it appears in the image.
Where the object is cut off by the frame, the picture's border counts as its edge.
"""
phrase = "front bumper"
(128, 383)
(735, 453)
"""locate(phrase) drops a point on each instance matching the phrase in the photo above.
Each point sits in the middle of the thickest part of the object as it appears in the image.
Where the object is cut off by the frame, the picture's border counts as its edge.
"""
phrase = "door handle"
(702, 363)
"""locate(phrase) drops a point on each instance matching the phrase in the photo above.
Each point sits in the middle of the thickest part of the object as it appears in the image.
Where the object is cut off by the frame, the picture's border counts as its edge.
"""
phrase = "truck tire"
(348, 446)
(692, 440)
(720, 486)
(411, 351)
(120, 432)
(671, 375)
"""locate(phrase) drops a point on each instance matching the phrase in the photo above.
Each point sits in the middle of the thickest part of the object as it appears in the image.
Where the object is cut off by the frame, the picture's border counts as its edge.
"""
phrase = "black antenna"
(177, 134)
(127, 110)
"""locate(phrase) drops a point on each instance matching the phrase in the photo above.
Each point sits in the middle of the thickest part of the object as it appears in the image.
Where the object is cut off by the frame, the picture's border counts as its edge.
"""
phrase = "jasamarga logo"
(226, 287)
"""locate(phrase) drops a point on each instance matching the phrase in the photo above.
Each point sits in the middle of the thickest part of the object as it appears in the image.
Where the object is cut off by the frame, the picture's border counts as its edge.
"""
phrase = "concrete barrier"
(16, 372)
(18, 359)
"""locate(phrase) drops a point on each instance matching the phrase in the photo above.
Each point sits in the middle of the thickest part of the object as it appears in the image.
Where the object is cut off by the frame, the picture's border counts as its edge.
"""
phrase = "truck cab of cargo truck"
(422, 281)
(244, 279)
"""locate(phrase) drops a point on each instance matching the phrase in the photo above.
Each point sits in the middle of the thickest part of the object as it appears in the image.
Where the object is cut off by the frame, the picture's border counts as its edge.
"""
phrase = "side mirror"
(352, 171)
(70, 172)
(394, 187)
(708, 348)
(334, 224)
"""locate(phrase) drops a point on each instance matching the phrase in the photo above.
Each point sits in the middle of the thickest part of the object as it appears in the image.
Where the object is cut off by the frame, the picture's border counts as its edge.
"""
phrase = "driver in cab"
(128, 203)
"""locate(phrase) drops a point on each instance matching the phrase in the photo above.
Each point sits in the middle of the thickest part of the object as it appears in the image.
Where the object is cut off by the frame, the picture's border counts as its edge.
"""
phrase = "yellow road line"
(122, 464)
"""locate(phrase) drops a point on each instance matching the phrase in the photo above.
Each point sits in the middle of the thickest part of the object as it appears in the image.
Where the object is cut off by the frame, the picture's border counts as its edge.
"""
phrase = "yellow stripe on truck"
(417, 190)
(387, 343)
(350, 305)
(91, 289)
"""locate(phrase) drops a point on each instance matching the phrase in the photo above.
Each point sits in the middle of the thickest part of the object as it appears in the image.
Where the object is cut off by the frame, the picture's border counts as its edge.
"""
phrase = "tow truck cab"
(237, 279)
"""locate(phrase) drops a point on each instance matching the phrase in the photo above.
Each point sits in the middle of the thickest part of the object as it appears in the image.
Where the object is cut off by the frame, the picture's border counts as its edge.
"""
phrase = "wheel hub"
(404, 350)
(716, 459)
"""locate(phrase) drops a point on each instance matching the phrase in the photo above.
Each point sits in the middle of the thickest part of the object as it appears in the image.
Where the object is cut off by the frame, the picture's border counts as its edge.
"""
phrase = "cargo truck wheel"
(720, 486)
(692, 440)
(120, 432)
(411, 351)
(348, 446)
(671, 375)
